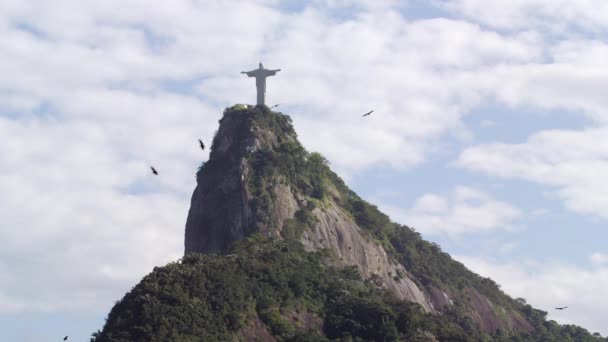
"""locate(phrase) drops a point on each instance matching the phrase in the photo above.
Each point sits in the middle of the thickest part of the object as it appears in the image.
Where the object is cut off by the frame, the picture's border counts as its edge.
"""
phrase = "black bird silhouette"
(154, 170)
(275, 106)
(561, 308)
(200, 142)
(65, 338)
(368, 113)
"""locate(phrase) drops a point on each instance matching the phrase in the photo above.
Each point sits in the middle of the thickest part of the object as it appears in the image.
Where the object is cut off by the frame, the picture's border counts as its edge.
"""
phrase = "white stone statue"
(260, 75)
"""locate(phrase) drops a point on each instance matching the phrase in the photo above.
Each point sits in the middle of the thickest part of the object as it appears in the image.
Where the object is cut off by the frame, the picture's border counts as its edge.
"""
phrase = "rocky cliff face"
(219, 212)
(313, 262)
(223, 208)
(259, 179)
(335, 230)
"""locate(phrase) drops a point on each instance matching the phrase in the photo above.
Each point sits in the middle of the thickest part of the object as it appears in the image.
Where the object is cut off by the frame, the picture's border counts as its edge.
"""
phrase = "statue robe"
(260, 82)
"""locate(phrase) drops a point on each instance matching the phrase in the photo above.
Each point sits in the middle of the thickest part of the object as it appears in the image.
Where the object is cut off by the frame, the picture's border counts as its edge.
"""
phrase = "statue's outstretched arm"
(248, 73)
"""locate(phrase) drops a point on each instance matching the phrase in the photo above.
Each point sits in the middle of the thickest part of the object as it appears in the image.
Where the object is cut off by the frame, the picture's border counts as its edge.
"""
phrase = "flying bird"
(154, 170)
(200, 142)
(275, 105)
(368, 113)
(65, 338)
(561, 308)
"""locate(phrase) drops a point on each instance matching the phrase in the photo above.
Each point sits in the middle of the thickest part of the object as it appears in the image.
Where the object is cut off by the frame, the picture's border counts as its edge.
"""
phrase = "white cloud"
(400, 73)
(546, 285)
(569, 85)
(91, 95)
(87, 106)
(599, 259)
(571, 161)
(403, 73)
(554, 15)
(465, 210)
(508, 247)
(341, 5)
(73, 236)
(539, 212)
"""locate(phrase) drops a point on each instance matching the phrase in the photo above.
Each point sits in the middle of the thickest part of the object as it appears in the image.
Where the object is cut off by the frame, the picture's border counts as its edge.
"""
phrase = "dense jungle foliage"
(299, 296)
(211, 298)
(214, 298)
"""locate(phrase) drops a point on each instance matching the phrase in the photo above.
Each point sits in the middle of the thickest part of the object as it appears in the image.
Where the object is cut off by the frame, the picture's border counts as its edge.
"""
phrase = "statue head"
(261, 65)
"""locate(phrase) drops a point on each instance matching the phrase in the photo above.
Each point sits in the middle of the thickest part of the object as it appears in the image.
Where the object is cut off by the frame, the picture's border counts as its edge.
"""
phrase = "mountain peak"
(259, 179)
(278, 248)
(227, 203)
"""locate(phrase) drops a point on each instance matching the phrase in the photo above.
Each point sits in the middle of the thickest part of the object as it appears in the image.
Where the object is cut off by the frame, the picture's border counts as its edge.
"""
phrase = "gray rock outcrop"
(246, 187)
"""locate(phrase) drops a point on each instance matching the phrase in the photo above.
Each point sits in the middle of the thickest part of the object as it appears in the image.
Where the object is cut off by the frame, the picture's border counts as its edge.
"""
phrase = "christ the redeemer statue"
(260, 75)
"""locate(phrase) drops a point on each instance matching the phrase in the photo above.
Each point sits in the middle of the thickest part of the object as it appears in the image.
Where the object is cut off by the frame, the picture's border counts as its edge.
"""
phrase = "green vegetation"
(212, 298)
(294, 228)
(310, 174)
(278, 283)
(434, 268)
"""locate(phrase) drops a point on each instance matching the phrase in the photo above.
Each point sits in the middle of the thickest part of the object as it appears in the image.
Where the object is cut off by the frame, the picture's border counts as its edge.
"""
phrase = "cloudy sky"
(489, 136)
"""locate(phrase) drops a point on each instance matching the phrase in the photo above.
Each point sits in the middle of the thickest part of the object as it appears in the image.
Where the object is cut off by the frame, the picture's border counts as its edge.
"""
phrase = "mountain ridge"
(263, 201)
(260, 183)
